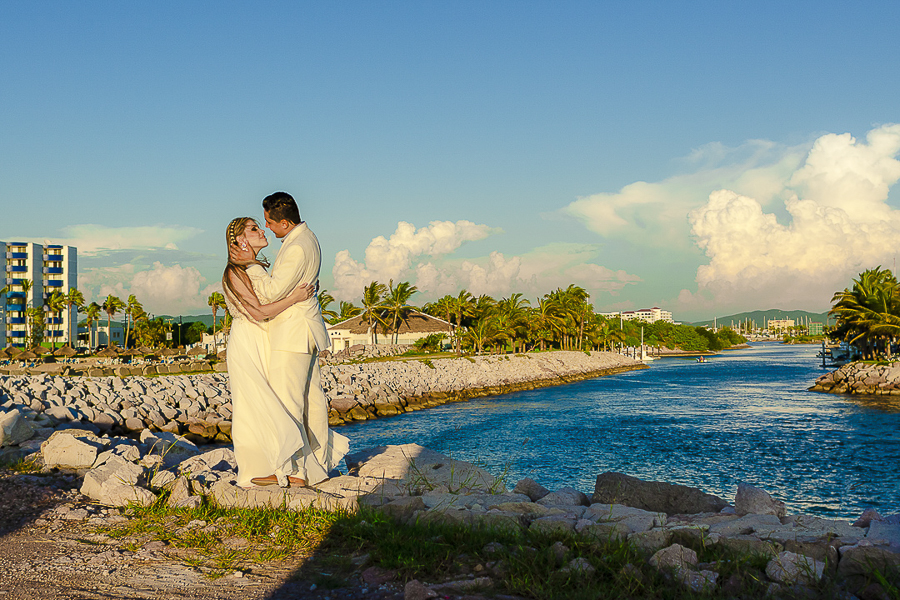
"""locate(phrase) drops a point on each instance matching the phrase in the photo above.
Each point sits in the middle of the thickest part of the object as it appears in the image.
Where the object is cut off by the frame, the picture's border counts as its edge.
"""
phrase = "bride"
(268, 441)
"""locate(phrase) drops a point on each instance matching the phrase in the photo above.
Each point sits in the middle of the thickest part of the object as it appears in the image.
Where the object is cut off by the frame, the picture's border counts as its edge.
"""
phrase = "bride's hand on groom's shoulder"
(302, 292)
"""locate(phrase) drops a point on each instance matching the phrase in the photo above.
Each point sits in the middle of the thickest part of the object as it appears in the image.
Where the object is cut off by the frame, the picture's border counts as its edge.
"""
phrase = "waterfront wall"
(199, 406)
(861, 378)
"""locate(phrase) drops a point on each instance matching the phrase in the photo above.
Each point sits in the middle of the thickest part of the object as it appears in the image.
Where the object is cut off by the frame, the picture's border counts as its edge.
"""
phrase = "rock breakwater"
(861, 378)
(199, 406)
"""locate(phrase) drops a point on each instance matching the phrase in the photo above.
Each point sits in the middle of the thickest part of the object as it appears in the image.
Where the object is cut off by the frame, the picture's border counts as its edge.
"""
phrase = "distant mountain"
(760, 316)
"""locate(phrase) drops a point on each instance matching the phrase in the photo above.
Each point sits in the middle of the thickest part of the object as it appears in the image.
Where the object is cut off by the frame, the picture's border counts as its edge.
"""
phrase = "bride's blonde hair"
(232, 269)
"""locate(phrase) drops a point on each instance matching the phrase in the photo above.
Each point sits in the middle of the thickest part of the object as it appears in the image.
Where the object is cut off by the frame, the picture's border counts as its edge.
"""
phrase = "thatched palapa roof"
(416, 322)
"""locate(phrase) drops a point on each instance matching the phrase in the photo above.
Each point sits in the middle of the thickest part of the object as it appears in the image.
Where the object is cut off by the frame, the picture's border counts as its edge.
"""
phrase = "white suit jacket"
(300, 328)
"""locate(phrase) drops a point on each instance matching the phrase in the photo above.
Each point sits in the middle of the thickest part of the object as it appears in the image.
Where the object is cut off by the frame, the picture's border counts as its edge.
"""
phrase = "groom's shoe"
(269, 480)
(297, 482)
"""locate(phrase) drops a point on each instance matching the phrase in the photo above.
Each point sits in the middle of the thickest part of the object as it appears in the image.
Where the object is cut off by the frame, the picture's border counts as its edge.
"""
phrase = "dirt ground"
(50, 548)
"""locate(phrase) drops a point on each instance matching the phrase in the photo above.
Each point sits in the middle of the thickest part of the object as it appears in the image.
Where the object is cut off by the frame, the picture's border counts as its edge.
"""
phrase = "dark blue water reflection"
(742, 416)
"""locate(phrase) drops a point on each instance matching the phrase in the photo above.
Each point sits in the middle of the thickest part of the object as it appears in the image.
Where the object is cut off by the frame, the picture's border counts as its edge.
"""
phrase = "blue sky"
(706, 158)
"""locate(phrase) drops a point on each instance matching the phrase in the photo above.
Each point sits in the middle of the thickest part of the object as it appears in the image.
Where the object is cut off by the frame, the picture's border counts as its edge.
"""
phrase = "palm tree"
(348, 311)
(462, 306)
(397, 305)
(57, 303)
(373, 307)
(870, 311)
(216, 301)
(92, 315)
(27, 285)
(74, 298)
(324, 300)
(133, 309)
(544, 321)
(515, 314)
(111, 306)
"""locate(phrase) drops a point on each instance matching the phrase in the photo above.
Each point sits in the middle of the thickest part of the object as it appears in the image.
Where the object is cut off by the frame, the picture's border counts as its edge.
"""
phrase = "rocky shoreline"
(415, 485)
(199, 406)
(861, 378)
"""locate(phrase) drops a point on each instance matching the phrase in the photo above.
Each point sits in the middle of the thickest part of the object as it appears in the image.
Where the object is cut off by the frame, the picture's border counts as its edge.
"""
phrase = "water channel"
(744, 415)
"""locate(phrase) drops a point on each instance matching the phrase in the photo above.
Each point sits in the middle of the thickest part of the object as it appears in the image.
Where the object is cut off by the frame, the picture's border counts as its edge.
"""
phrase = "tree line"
(560, 319)
(141, 329)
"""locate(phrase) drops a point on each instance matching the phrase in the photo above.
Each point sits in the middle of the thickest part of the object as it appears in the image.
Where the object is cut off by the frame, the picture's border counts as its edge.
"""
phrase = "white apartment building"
(775, 325)
(647, 315)
(48, 267)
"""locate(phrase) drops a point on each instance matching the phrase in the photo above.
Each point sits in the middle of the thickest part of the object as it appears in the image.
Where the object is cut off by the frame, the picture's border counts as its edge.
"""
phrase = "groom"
(298, 334)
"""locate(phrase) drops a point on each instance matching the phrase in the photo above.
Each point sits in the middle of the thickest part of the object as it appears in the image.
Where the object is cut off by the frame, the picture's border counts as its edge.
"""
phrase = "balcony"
(15, 334)
(15, 320)
(53, 270)
(53, 283)
(53, 257)
(20, 255)
(17, 269)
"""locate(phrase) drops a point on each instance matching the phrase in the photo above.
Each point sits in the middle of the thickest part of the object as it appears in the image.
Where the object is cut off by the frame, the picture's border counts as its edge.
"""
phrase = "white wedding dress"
(267, 438)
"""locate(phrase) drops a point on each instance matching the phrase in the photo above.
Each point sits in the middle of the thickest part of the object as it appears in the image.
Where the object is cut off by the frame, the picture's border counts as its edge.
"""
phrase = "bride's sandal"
(297, 482)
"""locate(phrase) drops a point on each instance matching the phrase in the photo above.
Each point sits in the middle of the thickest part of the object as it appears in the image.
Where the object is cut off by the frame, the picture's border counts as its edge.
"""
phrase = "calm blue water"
(743, 416)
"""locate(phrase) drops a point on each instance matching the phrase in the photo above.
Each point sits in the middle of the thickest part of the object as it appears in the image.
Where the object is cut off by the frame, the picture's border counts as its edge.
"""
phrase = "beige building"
(415, 327)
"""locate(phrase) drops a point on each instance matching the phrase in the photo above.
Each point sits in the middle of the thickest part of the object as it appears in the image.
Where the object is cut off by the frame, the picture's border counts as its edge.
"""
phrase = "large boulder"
(72, 449)
(115, 483)
(15, 428)
(655, 496)
(751, 500)
(416, 468)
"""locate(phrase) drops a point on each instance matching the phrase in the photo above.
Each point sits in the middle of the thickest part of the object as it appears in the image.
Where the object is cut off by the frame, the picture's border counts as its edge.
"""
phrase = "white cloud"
(839, 224)
(161, 289)
(534, 273)
(92, 240)
(392, 258)
(655, 214)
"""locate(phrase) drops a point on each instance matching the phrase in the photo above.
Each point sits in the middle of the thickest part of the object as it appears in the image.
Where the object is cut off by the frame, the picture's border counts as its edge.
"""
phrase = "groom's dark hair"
(280, 206)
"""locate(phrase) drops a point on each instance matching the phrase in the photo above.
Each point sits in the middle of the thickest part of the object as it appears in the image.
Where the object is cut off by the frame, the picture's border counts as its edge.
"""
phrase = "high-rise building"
(32, 273)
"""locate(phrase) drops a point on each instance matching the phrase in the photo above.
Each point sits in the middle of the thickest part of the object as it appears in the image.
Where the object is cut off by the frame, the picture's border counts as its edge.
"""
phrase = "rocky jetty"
(199, 406)
(861, 378)
(413, 484)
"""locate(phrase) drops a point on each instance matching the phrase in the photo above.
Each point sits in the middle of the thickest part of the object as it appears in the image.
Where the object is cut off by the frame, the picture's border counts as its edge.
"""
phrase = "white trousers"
(297, 380)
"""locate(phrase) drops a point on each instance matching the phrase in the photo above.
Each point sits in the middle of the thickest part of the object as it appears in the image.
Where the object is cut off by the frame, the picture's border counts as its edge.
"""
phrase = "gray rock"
(416, 590)
(701, 582)
(631, 520)
(579, 566)
(869, 515)
(565, 497)
(553, 524)
(656, 496)
(531, 488)
(420, 469)
(115, 483)
(887, 531)
(172, 447)
(71, 449)
(674, 557)
(15, 428)
(860, 561)
(790, 568)
(161, 479)
(180, 490)
(750, 500)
